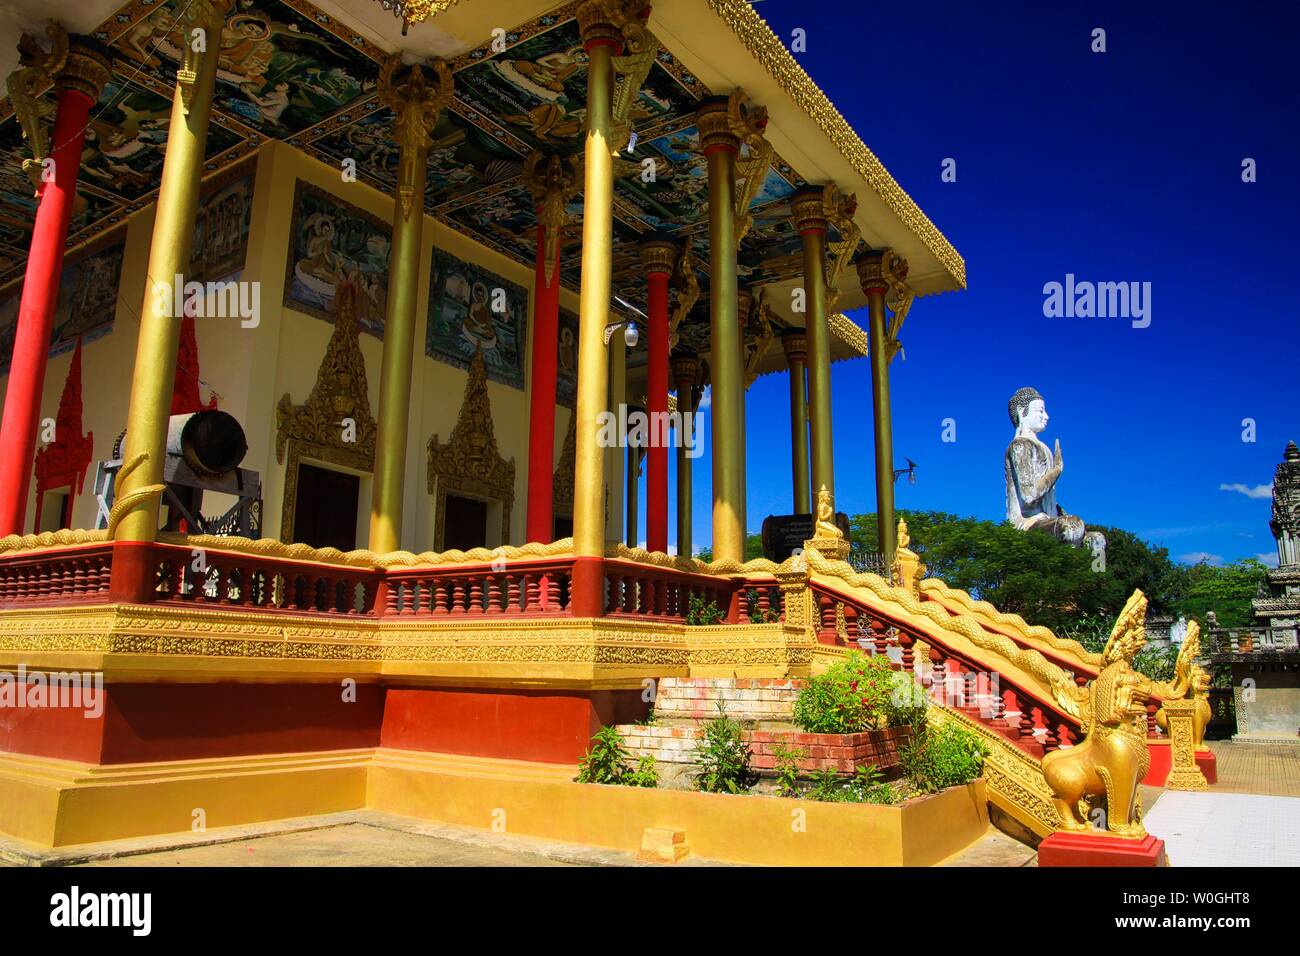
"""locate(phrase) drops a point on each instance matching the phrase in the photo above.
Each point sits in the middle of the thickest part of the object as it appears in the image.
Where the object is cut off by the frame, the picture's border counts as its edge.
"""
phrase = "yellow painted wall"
(251, 368)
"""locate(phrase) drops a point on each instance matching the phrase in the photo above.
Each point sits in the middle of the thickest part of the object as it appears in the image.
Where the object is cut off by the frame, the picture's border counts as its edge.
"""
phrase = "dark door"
(326, 513)
(464, 524)
(563, 528)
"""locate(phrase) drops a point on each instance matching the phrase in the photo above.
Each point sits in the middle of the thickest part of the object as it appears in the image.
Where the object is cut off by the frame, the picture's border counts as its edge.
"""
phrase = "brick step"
(698, 698)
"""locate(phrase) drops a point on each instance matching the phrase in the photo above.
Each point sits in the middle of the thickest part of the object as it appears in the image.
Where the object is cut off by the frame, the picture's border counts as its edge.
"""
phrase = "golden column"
(808, 210)
(796, 356)
(139, 484)
(880, 273)
(721, 146)
(686, 373)
(602, 24)
(415, 105)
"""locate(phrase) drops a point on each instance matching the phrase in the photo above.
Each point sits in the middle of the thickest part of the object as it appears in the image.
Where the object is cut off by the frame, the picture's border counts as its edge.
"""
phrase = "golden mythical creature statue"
(1112, 759)
(1191, 682)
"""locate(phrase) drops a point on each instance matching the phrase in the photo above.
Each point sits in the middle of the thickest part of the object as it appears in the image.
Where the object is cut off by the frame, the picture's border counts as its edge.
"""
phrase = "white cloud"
(1259, 491)
(1197, 557)
(706, 399)
(1267, 557)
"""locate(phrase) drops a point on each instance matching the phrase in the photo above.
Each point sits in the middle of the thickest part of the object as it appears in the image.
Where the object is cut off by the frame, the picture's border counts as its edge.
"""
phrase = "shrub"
(723, 758)
(703, 612)
(865, 786)
(858, 693)
(944, 756)
(787, 769)
(609, 762)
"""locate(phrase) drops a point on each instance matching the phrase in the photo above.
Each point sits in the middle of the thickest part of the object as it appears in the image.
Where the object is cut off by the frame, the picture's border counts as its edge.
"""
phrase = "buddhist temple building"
(321, 330)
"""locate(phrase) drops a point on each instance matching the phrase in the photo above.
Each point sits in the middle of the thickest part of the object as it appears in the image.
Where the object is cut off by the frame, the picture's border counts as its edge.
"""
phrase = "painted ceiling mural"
(288, 71)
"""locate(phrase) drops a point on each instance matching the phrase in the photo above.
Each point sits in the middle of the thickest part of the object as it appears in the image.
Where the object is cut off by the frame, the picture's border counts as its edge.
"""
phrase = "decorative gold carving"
(840, 208)
(417, 11)
(37, 70)
(757, 347)
(747, 124)
(22, 543)
(562, 481)
(884, 270)
(469, 462)
(688, 292)
(828, 539)
(848, 332)
(1113, 758)
(907, 569)
(552, 186)
(317, 429)
(1184, 714)
(415, 107)
(766, 47)
(201, 23)
(132, 499)
(659, 255)
(935, 588)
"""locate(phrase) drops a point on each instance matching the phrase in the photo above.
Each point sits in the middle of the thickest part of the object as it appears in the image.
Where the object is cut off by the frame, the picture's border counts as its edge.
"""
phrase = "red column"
(541, 422)
(658, 256)
(36, 310)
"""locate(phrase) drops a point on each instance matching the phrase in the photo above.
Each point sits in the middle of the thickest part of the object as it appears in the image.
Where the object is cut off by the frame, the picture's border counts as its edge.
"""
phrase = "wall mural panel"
(221, 229)
(469, 308)
(331, 241)
(566, 360)
(87, 302)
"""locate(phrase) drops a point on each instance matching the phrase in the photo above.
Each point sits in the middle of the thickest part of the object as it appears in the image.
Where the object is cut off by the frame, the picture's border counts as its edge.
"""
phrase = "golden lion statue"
(1113, 758)
(1191, 682)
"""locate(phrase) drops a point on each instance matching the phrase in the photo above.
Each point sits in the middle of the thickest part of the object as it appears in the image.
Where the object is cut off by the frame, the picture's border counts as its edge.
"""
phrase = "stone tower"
(1279, 607)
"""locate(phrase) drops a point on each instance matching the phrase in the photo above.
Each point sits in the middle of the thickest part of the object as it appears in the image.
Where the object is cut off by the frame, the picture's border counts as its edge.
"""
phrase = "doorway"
(326, 512)
(464, 524)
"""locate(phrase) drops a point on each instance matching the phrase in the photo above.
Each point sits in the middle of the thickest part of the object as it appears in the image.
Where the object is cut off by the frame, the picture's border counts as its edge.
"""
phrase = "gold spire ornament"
(201, 23)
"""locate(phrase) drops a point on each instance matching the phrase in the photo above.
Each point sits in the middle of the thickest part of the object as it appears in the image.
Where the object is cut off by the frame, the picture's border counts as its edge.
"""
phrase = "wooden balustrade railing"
(231, 579)
(213, 577)
(468, 590)
(642, 590)
(73, 576)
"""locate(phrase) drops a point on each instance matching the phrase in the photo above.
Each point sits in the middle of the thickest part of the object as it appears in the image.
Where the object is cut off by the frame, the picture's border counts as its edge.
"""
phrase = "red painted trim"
(715, 147)
(541, 423)
(543, 725)
(22, 407)
(603, 41)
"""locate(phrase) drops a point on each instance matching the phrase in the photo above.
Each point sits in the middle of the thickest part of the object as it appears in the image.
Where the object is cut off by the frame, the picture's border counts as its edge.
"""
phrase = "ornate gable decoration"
(335, 421)
(64, 460)
(470, 463)
(186, 396)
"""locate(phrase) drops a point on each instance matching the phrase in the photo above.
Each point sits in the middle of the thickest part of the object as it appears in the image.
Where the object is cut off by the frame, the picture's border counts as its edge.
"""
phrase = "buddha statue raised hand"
(1032, 471)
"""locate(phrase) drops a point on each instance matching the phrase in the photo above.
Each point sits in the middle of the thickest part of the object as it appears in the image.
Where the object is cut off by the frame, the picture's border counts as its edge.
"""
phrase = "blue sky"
(1116, 166)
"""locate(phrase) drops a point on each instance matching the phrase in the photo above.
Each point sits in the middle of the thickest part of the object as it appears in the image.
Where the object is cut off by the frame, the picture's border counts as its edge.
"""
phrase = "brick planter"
(839, 752)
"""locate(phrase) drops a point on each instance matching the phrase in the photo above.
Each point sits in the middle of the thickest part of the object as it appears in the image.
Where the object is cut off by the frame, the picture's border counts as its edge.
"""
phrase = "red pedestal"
(541, 421)
(1086, 849)
(22, 407)
(656, 482)
(1162, 758)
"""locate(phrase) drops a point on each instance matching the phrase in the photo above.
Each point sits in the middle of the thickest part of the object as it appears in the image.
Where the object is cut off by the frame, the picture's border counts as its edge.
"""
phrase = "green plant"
(723, 758)
(646, 773)
(607, 761)
(858, 693)
(942, 756)
(863, 786)
(787, 769)
(702, 611)
(756, 614)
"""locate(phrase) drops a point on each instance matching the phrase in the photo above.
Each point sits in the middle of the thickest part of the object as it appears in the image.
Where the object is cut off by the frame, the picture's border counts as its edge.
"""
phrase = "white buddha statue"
(1032, 470)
